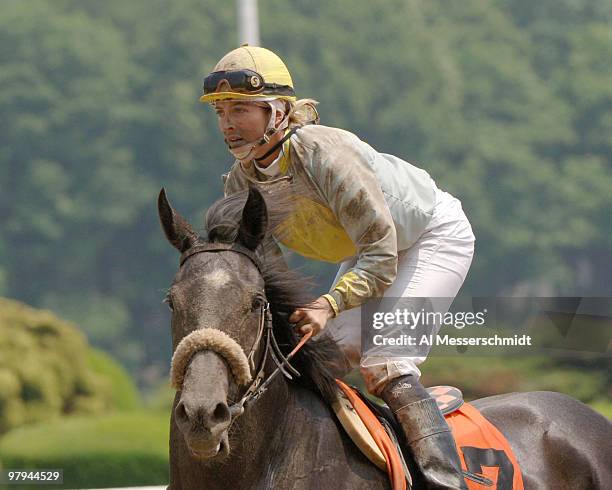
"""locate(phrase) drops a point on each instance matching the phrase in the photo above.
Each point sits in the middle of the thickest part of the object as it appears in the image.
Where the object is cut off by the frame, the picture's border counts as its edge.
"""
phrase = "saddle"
(486, 456)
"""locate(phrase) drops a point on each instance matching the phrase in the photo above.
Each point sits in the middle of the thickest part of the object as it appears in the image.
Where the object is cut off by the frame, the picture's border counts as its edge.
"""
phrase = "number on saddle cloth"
(486, 456)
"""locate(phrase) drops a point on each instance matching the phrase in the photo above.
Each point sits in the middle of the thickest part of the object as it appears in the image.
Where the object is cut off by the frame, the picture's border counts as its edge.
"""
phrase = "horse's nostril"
(221, 413)
(181, 412)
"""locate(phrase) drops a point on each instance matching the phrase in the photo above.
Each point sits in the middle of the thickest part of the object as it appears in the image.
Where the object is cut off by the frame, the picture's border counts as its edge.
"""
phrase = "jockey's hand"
(312, 317)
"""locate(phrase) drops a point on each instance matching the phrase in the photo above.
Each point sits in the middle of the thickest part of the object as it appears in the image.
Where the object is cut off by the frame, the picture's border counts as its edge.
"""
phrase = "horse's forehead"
(219, 269)
(218, 277)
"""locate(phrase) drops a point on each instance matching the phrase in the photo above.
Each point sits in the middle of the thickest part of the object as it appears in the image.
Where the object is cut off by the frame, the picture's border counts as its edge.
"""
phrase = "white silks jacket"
(348, 201)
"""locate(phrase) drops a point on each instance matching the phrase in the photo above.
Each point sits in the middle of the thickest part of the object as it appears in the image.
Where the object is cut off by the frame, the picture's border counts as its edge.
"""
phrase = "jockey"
(396, 234)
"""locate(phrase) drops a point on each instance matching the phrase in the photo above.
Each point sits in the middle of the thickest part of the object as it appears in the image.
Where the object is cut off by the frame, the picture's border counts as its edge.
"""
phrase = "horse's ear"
(178, 231)
(254, 222)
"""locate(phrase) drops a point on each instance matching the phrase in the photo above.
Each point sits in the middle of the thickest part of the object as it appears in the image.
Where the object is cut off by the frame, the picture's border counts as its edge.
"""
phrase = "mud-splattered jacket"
(349, 200)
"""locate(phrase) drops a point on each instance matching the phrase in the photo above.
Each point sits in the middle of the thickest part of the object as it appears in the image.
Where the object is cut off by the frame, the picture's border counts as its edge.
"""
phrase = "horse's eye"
(258, 302)
(168, 301)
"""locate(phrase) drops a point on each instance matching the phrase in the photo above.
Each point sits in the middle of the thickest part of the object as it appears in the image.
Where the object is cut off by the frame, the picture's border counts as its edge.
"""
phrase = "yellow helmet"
(248, 73)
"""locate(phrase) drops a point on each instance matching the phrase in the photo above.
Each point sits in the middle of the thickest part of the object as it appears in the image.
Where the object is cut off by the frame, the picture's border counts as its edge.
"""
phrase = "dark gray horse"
(288, 438)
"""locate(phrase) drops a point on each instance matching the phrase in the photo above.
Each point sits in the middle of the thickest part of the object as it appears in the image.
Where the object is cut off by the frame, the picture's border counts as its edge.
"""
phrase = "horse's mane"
(286, 290)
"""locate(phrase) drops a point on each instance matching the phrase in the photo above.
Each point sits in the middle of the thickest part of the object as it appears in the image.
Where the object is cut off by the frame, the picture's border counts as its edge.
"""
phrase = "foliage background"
(507, 104)
(48, 370)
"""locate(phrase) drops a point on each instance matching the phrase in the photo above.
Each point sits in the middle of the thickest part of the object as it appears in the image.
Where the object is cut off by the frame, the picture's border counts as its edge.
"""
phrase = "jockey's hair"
(303, 112)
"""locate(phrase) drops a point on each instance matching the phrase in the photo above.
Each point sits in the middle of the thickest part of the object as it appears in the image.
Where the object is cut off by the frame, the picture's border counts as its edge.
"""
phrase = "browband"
(221, 247)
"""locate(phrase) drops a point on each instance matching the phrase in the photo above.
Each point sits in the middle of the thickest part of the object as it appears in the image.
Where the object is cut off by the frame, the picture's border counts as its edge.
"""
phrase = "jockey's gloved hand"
(312, 317)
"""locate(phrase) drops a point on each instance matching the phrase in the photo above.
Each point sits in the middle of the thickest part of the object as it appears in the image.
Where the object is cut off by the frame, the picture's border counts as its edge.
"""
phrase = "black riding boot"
(426, 433)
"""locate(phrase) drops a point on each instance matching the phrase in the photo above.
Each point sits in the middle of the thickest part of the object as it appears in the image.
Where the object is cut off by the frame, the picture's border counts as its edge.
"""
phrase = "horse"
(280, 433)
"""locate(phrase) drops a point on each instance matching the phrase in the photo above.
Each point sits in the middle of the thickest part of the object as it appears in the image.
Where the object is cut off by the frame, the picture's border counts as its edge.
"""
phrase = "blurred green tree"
(47, 369)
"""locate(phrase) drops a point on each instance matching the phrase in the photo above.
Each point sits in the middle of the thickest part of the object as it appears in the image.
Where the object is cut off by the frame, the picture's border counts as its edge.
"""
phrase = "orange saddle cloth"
(486, 455)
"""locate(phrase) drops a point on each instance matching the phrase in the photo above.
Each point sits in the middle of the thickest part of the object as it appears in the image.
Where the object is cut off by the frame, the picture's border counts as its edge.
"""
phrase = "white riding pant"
(434, 267)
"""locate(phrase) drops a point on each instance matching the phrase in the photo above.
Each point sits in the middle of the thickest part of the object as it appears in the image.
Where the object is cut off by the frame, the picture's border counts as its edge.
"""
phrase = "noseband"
(229, 349)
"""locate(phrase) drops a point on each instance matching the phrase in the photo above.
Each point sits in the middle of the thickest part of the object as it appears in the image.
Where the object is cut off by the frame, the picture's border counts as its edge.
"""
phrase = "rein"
(260, 384)
(191, 344)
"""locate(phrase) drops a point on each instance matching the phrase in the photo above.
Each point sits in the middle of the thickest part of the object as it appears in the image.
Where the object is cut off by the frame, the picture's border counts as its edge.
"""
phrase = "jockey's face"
(241, 122)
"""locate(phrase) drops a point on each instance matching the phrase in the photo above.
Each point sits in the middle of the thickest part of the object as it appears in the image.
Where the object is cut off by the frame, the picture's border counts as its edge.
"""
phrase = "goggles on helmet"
(245, 81)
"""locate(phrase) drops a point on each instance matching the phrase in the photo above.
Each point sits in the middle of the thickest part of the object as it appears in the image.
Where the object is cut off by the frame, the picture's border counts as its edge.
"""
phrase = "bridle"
(265, 333)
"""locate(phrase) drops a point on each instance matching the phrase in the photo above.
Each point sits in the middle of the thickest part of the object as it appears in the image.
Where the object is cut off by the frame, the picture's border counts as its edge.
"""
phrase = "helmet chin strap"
(246, 152)
(278, 144)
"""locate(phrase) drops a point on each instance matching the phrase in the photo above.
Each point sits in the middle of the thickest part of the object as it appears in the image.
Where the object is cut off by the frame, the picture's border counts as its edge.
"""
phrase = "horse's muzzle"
(204, 427)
